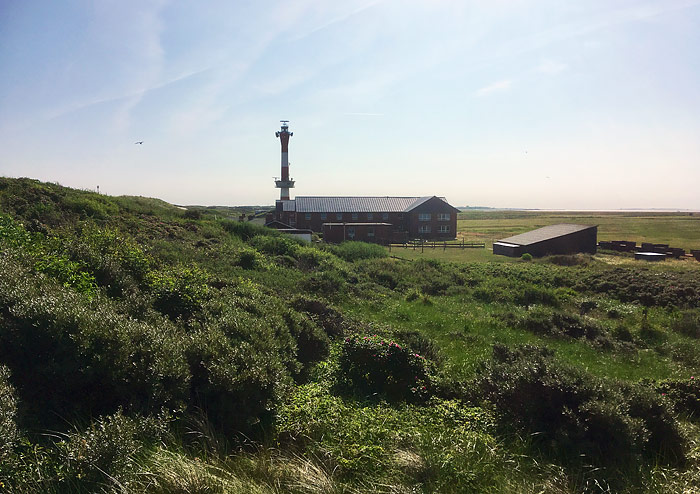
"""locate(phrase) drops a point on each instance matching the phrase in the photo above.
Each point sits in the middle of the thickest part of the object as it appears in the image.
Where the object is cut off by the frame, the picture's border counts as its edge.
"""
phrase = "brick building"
(377, 219)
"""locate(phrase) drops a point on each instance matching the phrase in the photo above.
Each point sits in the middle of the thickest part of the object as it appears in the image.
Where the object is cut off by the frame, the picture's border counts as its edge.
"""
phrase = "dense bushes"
(278, 245)
(179, 291)
(354, 251)
(683, 393)
(326, 316)
(74, 357)
(571, 413)
(115, 260)
(544, 321)
(213, 321)
(371, 366)
(237, 372)
(668, 288)
(313, 344)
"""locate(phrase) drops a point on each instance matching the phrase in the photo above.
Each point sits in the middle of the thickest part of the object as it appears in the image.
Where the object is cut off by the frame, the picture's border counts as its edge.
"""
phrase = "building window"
(323, 216)
(423, 216)
(385, 216)
(351, 232)
(424, 229)
(370, 231)
(443, 216)
(339, 216)
(444, 228)
(370, 216)
(307, 216)
(354, 216)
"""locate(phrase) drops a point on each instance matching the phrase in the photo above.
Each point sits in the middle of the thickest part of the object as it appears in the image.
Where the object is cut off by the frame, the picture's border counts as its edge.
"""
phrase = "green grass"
(466, 331)
(676, 229)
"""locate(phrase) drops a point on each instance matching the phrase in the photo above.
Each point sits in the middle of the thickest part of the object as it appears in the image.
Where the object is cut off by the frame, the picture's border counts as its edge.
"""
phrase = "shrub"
(192, 214)
(73, 357)
(328, 283)
(68, 272)
(573, 413)
(248, 259)
(179, 291)
(241, 359)
(569, 260)
(354, 251)
(490, 293)
(683, 393)
(371, 365)
(668, 289)
(109, 447)
(664, 440)
(89, 205)
(312, 342)
(280, 245)
(543, 321)
(526, 257)
(237, 373)
(413, 295)
(8, 412)
(687, 323)
(533, 294)
(246, 230)
(117, 262)
(311, 258)
(420, 344)
(329, 318)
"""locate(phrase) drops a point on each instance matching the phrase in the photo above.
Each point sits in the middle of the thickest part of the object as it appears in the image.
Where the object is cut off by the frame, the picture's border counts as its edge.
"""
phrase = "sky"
(546, 104)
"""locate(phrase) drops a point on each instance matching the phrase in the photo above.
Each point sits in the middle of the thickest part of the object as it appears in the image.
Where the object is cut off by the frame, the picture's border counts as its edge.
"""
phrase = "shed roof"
(355, 204)
(545, 233)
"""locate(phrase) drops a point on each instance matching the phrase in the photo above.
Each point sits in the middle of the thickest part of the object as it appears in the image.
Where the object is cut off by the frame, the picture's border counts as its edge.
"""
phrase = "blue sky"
(509, 103)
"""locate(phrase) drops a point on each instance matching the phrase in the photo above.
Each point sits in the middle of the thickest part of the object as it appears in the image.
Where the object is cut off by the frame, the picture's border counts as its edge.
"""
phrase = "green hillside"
(149, 348)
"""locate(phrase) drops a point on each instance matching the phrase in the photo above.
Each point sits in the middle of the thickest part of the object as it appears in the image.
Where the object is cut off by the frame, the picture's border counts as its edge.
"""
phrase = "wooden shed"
(564, 238)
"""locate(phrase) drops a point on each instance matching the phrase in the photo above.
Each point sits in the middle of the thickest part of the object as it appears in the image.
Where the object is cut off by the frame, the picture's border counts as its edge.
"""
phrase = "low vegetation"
(147, 348)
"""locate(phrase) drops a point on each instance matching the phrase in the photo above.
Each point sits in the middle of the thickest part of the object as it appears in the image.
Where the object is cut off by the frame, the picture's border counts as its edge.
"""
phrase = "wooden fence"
(436, 244)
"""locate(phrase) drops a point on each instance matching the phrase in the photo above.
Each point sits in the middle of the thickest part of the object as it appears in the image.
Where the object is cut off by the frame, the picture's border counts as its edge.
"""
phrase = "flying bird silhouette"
(138, 142)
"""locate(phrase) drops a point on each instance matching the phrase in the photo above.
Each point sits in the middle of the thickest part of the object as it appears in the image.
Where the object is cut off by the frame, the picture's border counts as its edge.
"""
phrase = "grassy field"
(676, 229)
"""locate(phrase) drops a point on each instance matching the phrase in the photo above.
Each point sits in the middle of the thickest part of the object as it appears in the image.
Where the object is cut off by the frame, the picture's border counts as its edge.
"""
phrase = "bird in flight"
(138, 142)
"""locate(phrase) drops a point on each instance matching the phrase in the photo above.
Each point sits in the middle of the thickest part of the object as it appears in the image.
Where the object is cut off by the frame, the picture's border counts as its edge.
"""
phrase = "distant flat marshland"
(678, 229)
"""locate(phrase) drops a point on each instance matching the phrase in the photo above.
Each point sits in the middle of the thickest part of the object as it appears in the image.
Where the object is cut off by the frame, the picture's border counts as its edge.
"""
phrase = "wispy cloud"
(498, 86)
(335, 20)
(551, 67)
(362, 114)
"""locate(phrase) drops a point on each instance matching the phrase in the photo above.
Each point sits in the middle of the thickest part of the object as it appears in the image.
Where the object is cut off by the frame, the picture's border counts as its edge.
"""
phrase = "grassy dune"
(147, 348)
